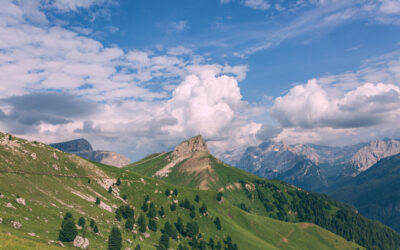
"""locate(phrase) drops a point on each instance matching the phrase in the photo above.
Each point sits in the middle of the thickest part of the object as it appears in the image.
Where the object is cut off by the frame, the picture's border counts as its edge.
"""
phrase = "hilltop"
(83, 148)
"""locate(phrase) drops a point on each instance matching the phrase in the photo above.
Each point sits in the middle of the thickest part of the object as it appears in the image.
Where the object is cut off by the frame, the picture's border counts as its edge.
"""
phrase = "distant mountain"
(83, 148)
(376, 191)
(370, 154)
(314, 167)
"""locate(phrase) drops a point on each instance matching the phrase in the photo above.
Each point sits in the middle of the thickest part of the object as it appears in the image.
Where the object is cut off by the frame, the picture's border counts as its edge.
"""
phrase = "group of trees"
(68, 230)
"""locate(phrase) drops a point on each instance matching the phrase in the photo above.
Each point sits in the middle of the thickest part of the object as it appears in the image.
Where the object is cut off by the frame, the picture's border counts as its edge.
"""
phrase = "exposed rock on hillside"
(193, 154)
(83, 148)
(371, 154)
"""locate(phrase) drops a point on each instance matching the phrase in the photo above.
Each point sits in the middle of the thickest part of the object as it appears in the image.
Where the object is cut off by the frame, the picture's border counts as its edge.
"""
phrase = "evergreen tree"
(127, 212)
(203, 209)
(145, 206)
(147, 198)
(92, 223)
(142, 223)
(153, 225)
(118, 182)
(192, 214)
(97, 201)
(197, 198)
(118, 214)
(219, 196)
(173, 206)
(194, 243)
(137, 247)
(124, 197)
(218, 223)
(203, 245)
(192, 229)
(175, 192)
(169, 230)
(115, 239)
(180, 227)
(211, 244)
(164, 241)
(129, 224)
(81, 222)
(161, 212)
(95, 229)
(152, 211)
(167, 192)
(68, 230)
(110, 190)
(218, 246)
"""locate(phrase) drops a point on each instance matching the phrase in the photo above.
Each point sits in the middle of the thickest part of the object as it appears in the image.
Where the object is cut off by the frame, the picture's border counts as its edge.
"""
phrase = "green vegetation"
(56, 183)
(115, 239)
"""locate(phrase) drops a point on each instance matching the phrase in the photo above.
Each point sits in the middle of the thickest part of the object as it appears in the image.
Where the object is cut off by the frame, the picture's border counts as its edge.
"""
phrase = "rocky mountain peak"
(192, 145)
(78, 145)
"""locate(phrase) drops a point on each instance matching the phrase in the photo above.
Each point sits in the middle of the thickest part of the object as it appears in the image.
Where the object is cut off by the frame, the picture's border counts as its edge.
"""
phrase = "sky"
(138, 77)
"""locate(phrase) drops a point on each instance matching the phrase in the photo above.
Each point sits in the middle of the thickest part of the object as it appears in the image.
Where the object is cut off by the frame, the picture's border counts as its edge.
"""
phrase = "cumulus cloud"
(268, 132)
(73, 5)
(311, 106)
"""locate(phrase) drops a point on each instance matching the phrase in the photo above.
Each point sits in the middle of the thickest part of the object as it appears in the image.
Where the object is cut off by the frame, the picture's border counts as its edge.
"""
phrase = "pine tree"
(203, 245)
(203, 209)
(118, 182)
(129, 224)
(115, 239)
(118, 214)
(173, 207)
(192, 229)
(97, 201)
(197, 198)
(192, 214)
(142, 223)
(145, 206)
(152, 211)
(218, 223)
(169, 230)
(167, 192)
(161, 212)
(68, 230)
(95, 229)
(164, 241)
(81, 222)
(218, 246)
(219, 196)
(137, 247)
(175, 192)
(92, 223)
(211, 244)
(180, 227)
(153, 225)
(110, 190)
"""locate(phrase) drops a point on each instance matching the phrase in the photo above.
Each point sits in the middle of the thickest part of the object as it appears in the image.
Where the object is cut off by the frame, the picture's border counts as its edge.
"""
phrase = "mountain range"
(227, 206)
(315, 167)
(83, 148)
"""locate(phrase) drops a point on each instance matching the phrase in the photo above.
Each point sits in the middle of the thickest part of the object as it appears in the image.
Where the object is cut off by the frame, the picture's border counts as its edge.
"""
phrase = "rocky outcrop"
(371, 154)
(83, 148)
(188, 147)
(80, 242)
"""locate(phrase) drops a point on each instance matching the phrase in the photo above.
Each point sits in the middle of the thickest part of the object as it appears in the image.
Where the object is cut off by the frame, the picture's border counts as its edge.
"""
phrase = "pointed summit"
(190, 146)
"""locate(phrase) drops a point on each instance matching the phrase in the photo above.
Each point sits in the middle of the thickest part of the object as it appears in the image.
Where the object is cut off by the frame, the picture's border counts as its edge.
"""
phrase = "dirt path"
(51, 174)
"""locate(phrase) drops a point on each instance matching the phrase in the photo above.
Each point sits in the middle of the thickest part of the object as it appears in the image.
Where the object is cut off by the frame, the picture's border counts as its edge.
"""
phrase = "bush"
(197, 198)
(115, 239)
(173, 207)
(95, 229)
(167, 192)
(137, 247)
(97, 201)
(92, 223)
(118, 182)
(219, 196)
(175, 192)
(110, 190)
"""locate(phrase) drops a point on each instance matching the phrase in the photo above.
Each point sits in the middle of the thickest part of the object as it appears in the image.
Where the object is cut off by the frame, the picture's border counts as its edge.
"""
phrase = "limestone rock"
(16, 224)
(20, 201)
(186, 148)
(81, 242)
(146, 235)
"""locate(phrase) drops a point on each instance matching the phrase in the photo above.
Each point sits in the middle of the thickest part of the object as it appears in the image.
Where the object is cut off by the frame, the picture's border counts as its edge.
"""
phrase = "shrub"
(97, 201)
(118, 182)
(110, 190)
(197, 198)
(81, 222)
(68, 230)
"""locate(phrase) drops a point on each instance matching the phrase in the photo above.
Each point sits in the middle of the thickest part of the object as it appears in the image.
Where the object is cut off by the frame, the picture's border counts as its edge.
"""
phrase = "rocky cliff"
(84, 149)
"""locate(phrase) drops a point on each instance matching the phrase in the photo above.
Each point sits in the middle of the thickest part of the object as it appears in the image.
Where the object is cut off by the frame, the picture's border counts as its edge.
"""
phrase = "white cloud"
(390, 6)
(256, 4)
(224, 1)
(177, 26)
(74, 5)
(180, 50)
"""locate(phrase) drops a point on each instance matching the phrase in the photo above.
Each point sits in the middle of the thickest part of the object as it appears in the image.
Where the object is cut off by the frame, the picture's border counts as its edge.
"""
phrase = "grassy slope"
(49, 197)
(375, 192)
(285, 202)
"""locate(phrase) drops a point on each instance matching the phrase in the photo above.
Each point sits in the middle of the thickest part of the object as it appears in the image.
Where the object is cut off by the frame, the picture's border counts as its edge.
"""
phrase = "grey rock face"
(371, 154)
(83, 148)
(186, 148)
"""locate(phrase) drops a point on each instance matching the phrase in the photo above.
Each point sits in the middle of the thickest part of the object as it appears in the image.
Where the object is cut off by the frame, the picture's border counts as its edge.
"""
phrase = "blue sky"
(151, 73)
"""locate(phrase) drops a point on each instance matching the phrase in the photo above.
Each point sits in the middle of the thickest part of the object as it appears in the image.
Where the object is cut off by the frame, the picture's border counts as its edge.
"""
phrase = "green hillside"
(52, 183)
(270, 198)
(376, 192)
